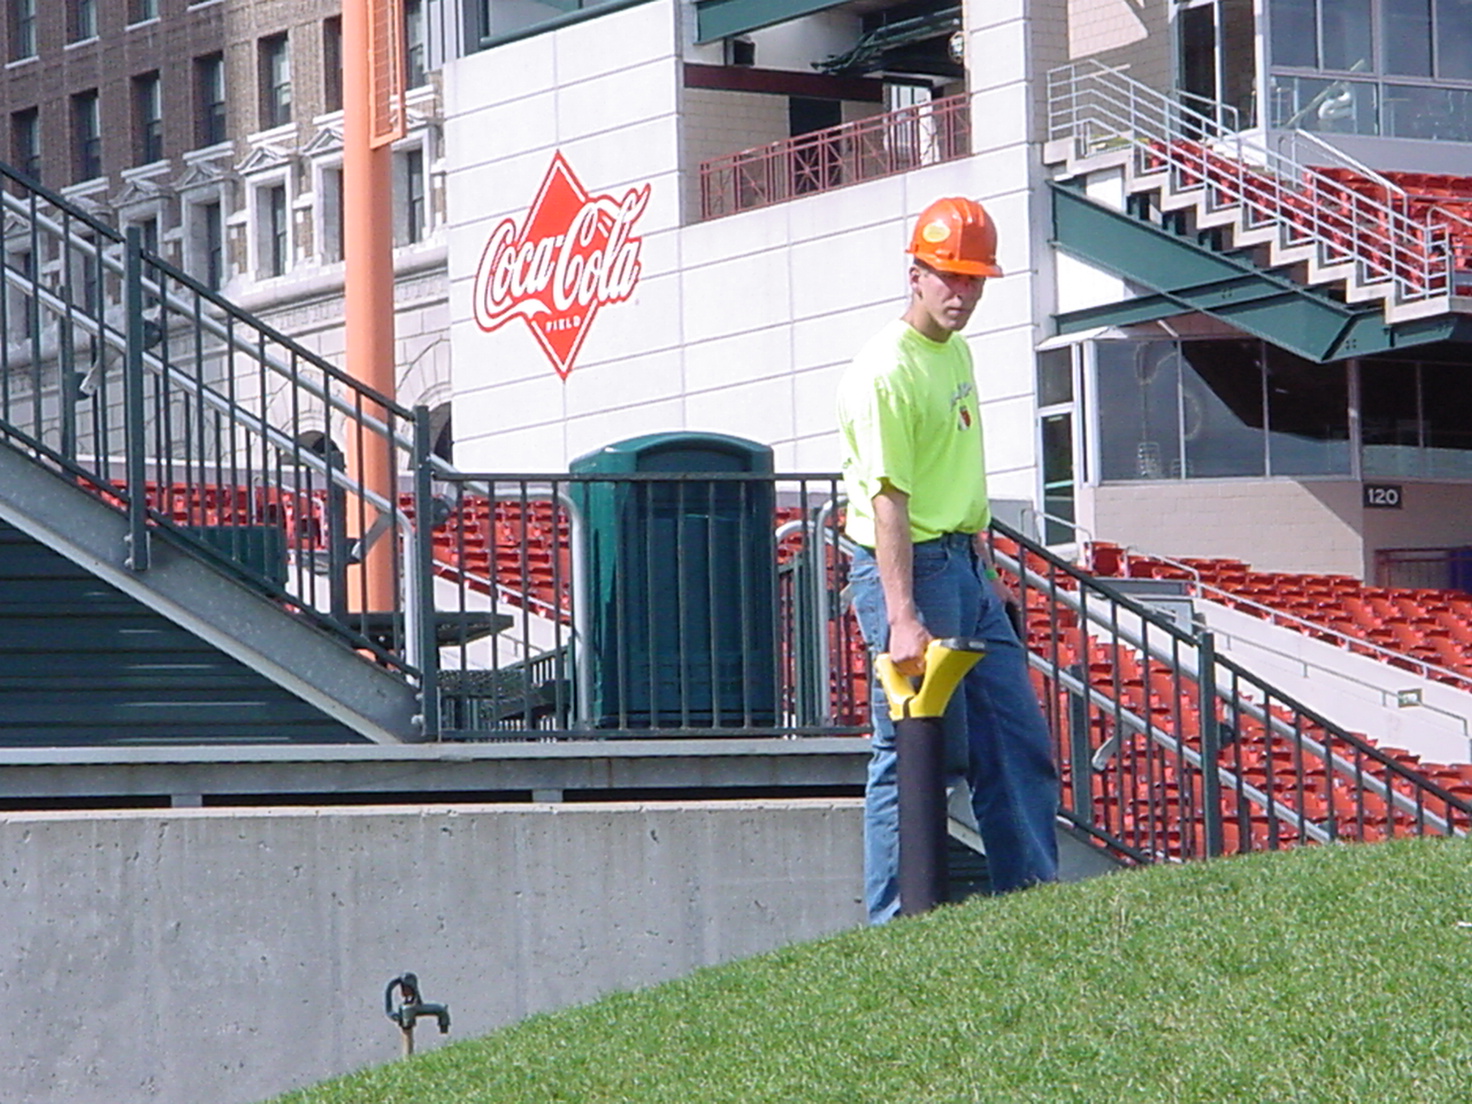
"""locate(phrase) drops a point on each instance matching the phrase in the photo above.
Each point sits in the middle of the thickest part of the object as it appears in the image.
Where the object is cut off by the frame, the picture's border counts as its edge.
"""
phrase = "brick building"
(216, 127)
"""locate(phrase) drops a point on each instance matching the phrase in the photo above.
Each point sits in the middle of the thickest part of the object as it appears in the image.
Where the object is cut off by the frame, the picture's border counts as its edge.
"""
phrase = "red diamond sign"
(574, 254)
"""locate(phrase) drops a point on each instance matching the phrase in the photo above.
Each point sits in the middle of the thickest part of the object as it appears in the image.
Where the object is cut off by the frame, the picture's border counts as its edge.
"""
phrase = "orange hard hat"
(956, 234)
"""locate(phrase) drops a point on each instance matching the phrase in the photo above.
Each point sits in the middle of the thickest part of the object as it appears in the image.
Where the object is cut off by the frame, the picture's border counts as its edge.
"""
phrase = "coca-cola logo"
(574, 254)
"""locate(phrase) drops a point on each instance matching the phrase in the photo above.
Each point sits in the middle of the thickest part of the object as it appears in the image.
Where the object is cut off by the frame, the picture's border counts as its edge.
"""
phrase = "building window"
(207, 243)
(148, 119)
(1414, 420)
(330, 211)
(1055, 392)
(1325, 42)
(274, 230)
(415, 69)
(409, 189)
(22, 29)
(1202, 409)
(332, 63)
(140, 11)
(86, 136)
(25, 142)
(275, 78)
(81, 20)
(209, 94)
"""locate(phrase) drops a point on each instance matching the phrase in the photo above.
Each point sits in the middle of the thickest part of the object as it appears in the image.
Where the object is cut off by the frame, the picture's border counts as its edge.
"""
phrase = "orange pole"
(368, 309)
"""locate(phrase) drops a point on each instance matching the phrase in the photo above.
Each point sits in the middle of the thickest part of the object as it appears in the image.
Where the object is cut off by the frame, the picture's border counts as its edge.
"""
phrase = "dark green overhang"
(723, 18)
(1185, 276)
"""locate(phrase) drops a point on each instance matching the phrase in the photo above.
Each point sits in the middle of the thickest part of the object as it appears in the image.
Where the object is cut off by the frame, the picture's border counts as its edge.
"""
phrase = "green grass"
(1333, 974)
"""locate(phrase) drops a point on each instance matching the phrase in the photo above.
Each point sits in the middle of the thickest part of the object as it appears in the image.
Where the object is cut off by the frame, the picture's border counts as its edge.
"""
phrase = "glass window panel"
(1196, 28)
(1239, 59)
(22, 29)
(1436, 114)
(1406, 33)
(1308, 416)
(332, 62)
(1390, 422)
(148, 121)
(86, 136)
(507, 16)
(1221, 408)
(1454, 39)
(1055, 376)
(1348, 39)
(275, 79)
(415, 60)
(1446, 403)
(1057, 434)
(209, 79)
(1139, 410)
(1295, 33)
(1332, 106)
(25, 134)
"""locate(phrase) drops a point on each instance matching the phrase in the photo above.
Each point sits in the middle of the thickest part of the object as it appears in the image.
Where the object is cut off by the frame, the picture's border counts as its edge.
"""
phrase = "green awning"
(723, 18)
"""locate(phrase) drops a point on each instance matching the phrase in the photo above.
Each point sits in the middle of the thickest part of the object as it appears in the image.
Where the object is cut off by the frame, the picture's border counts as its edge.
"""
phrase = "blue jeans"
(996, 738)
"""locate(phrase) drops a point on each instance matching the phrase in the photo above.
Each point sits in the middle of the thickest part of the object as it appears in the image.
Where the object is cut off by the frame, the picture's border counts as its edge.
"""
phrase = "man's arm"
(894, 552)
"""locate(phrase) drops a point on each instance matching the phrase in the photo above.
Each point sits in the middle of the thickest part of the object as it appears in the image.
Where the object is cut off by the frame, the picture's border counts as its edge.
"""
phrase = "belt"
(950, 540)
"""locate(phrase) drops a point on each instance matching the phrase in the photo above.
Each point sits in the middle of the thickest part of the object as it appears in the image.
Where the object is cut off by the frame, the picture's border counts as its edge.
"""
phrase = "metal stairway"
(202, 468)
(1268, 237)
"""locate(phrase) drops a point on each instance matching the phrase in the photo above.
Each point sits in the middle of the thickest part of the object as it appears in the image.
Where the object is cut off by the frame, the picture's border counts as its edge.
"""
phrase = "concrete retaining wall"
(225, 955)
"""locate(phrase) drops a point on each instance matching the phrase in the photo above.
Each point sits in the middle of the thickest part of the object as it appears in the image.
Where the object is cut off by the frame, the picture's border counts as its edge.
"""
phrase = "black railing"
(1171, 751)
(643, 604)
(204, 425)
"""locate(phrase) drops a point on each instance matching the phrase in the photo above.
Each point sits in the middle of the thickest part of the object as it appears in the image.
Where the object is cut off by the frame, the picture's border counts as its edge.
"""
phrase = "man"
(917, 505)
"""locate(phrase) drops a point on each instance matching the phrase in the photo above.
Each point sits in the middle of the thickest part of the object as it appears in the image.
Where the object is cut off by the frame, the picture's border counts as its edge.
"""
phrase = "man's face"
(948, 298)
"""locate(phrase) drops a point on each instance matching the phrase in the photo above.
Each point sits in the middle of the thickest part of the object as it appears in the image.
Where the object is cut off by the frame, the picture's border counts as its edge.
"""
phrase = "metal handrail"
(1314, 628)
(1098, 107)
(1218, 680)
(202, 413)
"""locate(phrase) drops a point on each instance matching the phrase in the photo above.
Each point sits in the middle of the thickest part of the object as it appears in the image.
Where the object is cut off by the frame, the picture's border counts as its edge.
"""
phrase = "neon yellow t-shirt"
(908, 416)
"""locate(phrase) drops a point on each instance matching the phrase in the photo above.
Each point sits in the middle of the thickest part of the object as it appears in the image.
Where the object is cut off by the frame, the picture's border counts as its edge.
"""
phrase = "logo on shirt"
(961, 407)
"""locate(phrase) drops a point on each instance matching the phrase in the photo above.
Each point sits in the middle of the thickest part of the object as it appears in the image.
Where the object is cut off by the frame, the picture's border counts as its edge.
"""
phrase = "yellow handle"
(946, 664)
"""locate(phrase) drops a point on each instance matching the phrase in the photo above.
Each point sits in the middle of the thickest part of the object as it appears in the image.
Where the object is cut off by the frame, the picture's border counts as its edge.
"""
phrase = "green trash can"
(681, 583)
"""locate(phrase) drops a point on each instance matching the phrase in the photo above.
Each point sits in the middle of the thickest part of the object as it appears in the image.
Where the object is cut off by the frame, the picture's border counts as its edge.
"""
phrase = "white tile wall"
(847, 209)
(720, 239)
(585, 434)
(534, 402)
(1004, 364)
(594, 107)
(488, 132)
(630, 386)
(742, 294)
(834, 338)
(760, 410)
(757, 354)
(999, 55)
(503, 75)
(615, 42)
(828, 273)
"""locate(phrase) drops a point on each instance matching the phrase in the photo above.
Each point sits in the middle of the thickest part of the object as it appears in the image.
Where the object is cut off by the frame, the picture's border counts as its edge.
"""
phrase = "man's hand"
(1005, 594)
(908, 639)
